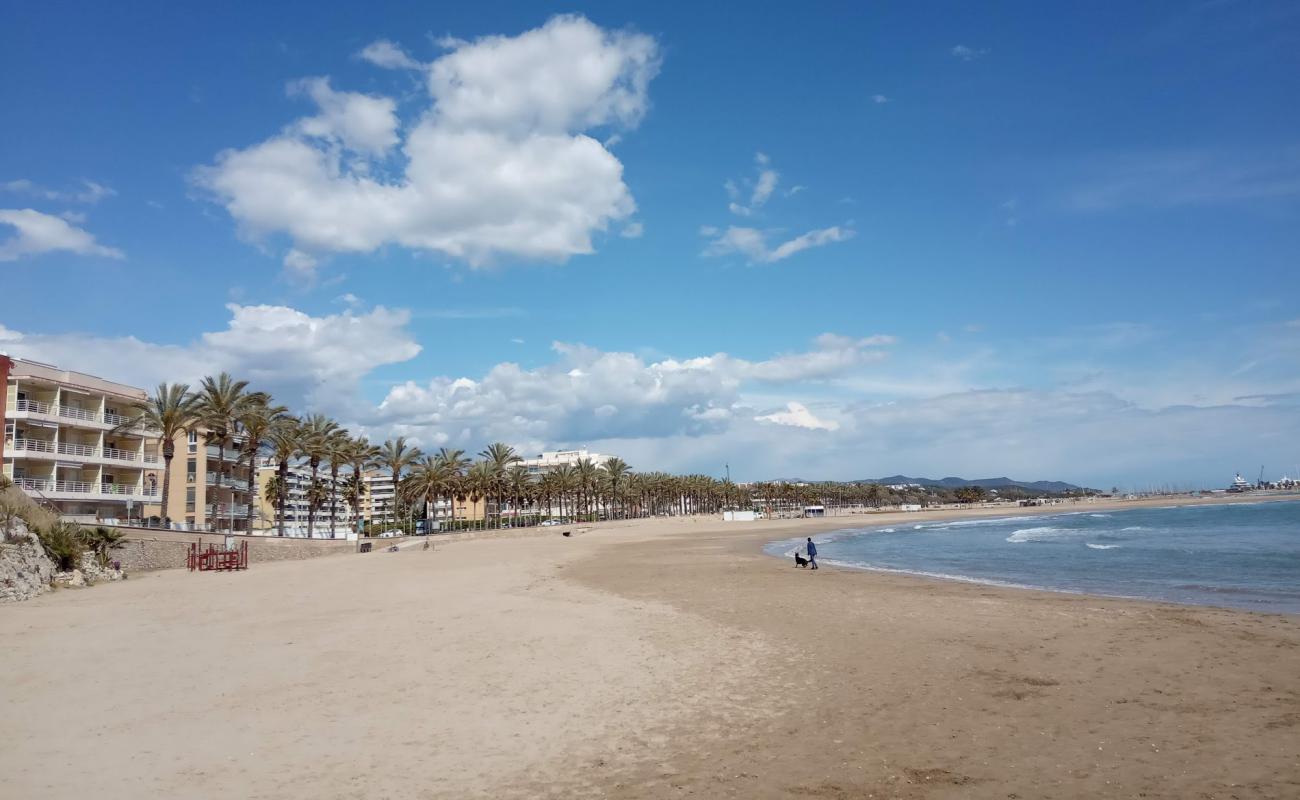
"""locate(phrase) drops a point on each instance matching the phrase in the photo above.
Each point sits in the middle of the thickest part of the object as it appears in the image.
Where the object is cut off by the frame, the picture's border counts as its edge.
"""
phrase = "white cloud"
(967, 53)
(499, 164)
(879, 99)
(388, 55)
(90, 191)
(300, 265)
(752, 243)
(302, 359)
(632, 230)
(761, 187)
(797, 415)
(36, 233)
(359, 122)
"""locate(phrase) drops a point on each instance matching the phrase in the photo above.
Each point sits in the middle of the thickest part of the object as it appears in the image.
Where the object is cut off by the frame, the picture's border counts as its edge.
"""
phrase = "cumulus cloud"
(797, 415)
(879, 99)
(303, 360)
(360, 122)
(588, 393)
(632, 230)
(498, 165)
(388, 55)
(752, 243)
(35, 233)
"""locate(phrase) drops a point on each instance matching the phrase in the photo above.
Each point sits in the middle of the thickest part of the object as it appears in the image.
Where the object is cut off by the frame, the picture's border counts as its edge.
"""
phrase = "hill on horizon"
(987, 483)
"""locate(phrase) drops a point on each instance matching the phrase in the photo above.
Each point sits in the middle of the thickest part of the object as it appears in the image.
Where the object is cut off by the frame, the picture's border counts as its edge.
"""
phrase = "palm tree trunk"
(334, 496)
(282, 471)
(169, 452)
(311, 505)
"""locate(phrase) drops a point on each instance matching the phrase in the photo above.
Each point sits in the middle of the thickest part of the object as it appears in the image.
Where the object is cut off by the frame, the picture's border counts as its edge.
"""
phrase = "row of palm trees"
(244, 425)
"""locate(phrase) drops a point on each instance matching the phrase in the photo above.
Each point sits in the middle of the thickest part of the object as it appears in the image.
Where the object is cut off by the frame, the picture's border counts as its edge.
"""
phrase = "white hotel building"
(65, 446)
(549, 460)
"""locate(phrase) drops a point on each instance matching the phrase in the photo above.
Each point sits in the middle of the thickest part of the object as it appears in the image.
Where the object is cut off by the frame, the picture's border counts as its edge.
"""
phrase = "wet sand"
(640, 660)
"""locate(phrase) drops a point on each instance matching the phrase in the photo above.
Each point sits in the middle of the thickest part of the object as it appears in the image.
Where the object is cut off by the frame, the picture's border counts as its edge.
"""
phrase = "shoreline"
(1040, 512)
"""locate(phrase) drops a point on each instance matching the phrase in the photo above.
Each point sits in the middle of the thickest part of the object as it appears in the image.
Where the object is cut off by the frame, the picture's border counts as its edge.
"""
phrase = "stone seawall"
(150, 549)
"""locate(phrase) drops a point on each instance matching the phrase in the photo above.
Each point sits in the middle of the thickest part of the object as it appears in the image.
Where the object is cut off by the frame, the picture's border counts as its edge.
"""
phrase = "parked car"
(390, 534)
(548, 523)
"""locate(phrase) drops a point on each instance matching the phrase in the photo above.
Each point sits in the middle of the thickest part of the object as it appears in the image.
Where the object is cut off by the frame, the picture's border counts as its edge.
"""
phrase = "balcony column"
(5, 365)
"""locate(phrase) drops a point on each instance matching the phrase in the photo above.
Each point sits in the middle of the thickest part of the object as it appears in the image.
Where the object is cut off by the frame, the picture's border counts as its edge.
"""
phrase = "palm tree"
(519, 482)
(169, 412)
(480, 481)
(360, 455)
(337, 451)
(565, 482)
(396, 456)
(498, 457)
(284, 444)
(429, 479)
(587, 475)
(314, 434)
(256, 424)
(220, 403)
(616, 472)
(456, 463)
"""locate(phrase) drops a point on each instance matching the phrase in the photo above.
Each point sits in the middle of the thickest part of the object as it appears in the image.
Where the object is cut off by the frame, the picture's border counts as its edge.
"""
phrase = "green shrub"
(63, 543)
(101, 541)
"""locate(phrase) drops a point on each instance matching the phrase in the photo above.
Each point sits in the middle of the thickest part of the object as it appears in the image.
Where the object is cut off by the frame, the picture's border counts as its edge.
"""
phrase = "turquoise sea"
(1239, 555)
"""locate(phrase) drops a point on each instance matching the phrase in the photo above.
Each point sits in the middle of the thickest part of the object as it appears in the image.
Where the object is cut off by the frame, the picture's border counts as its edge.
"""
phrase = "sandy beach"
(646, 659)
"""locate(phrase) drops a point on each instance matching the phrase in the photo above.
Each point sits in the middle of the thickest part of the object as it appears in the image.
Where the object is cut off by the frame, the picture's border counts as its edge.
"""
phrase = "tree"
(360, 455)
(519, 483)
(284, 444)
(314, 434)
(616, 472)
(101, 541)
(337, 451)
(455, 463)
(169, 412)
(257, 424)
(479, 483)
(428, 480)
(969, 494)
(498, 457)
(396, 456)
(220, 404)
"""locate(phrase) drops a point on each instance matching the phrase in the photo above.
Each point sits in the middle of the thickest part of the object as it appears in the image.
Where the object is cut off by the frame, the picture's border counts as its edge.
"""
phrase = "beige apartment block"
(69, 444)
(296, 507)
(203, 497)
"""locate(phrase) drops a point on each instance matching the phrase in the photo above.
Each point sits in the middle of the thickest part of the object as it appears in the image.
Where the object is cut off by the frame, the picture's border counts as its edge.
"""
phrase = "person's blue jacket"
(812, 548)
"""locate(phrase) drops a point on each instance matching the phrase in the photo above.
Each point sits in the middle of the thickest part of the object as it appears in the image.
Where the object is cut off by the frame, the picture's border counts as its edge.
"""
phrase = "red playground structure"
(214, 559)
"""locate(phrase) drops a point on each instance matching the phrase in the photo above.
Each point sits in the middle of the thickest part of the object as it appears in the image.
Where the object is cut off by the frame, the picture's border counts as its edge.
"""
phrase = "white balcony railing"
(121, 455)
(71, 449)
(34, 445)
(72, 412)
(83, 487)
(32, 406)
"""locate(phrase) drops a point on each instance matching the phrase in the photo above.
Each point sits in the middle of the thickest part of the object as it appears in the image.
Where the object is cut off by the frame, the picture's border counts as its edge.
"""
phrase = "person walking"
(812, 554)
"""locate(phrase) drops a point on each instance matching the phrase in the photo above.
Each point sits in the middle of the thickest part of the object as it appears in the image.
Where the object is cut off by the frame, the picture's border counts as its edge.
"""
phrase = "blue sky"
(924, 238)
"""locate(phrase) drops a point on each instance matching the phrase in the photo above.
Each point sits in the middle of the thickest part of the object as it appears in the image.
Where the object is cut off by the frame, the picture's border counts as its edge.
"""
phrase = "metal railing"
(121, 455)
(229, 483)
(32, 406)
(34, 445)
(72, 412)
(83, 487)
(73, 449)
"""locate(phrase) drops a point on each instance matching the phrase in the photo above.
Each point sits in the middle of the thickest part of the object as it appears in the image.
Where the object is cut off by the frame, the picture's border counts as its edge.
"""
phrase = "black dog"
(800, 561)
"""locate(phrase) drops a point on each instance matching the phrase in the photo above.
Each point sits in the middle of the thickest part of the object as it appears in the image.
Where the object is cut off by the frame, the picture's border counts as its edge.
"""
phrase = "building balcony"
(47, 489)
(35, 409)
(227, 483)
(222, 511)
(85, 453)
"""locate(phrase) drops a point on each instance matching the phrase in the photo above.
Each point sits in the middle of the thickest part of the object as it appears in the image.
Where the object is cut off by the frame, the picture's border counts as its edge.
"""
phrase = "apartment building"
(549, 460)
(204, 497)
(377, 504)
(69, 444)
(296, 505)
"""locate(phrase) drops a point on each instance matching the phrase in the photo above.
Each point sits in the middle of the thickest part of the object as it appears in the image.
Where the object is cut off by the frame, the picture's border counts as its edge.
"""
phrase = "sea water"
(1239, 555)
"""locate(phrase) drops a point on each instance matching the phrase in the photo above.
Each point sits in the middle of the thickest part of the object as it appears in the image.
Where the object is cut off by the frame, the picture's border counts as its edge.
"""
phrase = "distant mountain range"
(987, 483)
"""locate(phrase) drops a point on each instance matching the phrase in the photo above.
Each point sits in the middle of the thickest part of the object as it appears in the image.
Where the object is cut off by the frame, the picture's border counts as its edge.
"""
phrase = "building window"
(191, 469)
(194, 441)
(189, 498)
